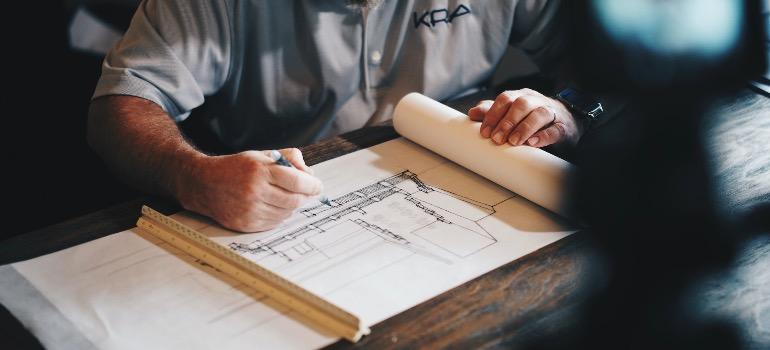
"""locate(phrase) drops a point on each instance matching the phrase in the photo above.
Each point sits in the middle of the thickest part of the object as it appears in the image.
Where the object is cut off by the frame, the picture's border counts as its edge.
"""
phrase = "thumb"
(478, 112)
(294, 156)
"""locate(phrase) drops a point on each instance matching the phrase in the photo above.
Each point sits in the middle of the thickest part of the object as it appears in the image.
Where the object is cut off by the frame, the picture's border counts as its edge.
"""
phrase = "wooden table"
(502, 308)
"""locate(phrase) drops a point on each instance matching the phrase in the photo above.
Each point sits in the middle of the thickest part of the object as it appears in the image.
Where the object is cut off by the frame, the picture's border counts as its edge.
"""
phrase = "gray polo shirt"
(286, 73)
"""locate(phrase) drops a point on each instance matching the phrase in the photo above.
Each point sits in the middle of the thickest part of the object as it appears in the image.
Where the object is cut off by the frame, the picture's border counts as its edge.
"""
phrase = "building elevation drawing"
(400, 215)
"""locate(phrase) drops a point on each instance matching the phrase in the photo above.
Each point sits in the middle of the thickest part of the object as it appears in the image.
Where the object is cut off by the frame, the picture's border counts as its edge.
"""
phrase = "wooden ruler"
(323, 313)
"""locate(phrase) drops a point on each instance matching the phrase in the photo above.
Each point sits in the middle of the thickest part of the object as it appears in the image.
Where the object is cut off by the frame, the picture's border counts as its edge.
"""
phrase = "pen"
(281, 160)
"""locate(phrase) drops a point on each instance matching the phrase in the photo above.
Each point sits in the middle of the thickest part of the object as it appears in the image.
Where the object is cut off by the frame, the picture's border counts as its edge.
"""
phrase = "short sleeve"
(538, 30)
(174, 53)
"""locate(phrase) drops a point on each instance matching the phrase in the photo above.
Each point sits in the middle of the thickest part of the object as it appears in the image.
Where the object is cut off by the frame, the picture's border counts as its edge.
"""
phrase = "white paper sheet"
(407, 225)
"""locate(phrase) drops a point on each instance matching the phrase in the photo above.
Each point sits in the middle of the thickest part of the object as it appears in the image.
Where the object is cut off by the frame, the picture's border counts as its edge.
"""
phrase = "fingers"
(281, 198)
(498, 110)
(539, 118)
(293, 180)
(518, 110)
(547, 136)
(526, 117)
(294, 156)
(478, 112)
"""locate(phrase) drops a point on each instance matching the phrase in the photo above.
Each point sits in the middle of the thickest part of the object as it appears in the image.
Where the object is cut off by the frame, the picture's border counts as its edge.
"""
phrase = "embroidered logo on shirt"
(432, 18)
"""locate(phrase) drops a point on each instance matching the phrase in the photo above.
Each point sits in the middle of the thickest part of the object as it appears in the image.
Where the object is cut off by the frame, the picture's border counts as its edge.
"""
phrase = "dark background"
(50, 172)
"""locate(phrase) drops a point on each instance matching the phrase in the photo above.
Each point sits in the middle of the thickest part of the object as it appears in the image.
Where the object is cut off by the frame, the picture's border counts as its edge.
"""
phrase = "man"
(279, 74)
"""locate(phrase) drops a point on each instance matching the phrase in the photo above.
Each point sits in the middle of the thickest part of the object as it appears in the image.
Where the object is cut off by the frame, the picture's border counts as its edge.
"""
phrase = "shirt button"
(375, 57)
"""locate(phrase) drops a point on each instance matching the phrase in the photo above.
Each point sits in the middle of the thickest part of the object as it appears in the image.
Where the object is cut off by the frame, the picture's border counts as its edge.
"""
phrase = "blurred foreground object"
(648, 195)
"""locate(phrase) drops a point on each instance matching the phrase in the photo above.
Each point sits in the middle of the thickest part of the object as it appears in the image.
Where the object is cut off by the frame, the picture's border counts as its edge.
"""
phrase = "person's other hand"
(526, 117)
(247, 191)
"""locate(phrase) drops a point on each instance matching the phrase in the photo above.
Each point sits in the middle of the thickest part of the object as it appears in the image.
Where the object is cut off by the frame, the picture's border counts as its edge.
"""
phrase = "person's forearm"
(140, 143)
(246, 191)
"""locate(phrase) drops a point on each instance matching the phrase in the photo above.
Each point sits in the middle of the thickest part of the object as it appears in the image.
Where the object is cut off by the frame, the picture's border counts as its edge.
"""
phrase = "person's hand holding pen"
(249, 191)
(281, 160)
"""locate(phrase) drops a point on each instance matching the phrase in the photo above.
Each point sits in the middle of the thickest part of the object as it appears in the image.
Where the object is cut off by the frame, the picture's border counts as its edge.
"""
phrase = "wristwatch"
(580, 104)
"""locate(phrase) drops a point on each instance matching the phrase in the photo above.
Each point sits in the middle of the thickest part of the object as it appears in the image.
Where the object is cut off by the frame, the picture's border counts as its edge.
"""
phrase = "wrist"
(571, 125)
(186, 175)
(584, 108)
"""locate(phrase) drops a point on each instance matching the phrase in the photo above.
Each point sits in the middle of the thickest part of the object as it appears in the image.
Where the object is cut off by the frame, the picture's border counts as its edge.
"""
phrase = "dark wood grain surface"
(526, 297)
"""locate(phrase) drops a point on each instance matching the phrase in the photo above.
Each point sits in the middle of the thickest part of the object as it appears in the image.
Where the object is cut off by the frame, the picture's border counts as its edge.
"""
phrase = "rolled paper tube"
(530, 172)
